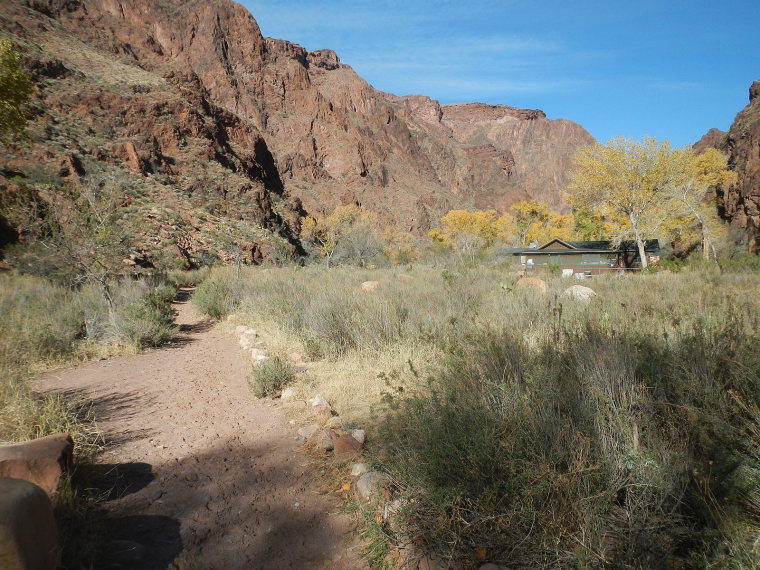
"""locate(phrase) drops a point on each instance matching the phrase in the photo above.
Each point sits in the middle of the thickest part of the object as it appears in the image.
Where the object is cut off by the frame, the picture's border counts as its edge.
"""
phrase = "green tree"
(628, 182)
(15, 90)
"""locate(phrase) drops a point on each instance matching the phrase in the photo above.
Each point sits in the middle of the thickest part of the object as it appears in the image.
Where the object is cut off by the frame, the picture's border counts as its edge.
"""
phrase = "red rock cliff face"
(742, 144)
(536, 152)
(332, 138)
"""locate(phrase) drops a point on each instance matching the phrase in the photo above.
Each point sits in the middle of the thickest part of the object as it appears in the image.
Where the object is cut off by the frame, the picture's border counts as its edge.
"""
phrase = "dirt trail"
(208, 477)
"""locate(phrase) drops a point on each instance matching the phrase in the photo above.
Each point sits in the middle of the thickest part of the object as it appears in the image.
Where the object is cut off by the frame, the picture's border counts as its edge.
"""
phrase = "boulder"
(335, 422)
(296, 357)
(358, 435)
(319, 400)
(40, 461)
(307, 432)
(538, 285)
(343, 444)
(393, 508)
(372, 485)
(320, 407)
(28, 535)
(429, 563)
(322, 441)
(579, 293)
(370, 285)
(247, 336)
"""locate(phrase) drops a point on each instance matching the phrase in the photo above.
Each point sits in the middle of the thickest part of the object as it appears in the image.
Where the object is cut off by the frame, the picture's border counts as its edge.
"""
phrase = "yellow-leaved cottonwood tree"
(533, 221)
(629, 182)
(467, 232)
(348, 234)
(705, 173)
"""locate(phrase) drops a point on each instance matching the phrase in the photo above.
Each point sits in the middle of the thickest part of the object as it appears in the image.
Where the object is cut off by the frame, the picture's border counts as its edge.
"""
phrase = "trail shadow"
(121, 405)
(184, 294)
(236, 507)
(147, 542)
(186, 334)
(120, 480)
(199, 327)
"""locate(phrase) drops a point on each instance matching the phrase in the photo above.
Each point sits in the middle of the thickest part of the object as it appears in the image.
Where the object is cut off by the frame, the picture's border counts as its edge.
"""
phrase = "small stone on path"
(359, 469)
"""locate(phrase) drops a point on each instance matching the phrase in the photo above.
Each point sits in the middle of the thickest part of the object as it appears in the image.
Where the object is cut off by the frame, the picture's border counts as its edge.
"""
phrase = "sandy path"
(208, 477)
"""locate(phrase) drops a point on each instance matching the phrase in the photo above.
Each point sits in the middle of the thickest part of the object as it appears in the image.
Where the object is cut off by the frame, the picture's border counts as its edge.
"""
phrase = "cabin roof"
(569, 247)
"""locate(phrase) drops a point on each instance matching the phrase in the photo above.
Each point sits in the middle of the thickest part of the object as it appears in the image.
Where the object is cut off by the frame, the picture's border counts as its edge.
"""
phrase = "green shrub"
(219, 296)
(270, 376)
(621, 433)
(742, 262)
(149, 321)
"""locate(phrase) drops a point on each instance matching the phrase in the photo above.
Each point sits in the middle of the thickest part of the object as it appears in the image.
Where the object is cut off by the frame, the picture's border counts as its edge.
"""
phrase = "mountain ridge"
(301, 125)
(740, 204)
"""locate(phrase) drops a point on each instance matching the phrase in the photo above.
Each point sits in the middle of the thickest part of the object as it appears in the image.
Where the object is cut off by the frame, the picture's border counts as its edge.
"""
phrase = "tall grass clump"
(149, 320)
(47, 325)
(332, 315)
(188, 278)
(221, 294)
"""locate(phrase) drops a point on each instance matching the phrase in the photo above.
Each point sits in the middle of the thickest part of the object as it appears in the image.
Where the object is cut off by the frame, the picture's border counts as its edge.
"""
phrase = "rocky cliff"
(192, 95)
(741, 204)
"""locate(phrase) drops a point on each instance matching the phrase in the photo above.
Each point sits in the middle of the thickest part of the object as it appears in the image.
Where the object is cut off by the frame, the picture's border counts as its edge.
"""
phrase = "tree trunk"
(639, 243)
(642, 253)
(706, 244)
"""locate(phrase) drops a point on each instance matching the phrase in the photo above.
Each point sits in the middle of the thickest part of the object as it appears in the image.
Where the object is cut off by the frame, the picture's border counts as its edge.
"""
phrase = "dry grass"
(46, 326)
(553, 433)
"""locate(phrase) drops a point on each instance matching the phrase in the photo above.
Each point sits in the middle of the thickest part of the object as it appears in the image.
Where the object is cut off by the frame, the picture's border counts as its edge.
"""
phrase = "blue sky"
(639, 68)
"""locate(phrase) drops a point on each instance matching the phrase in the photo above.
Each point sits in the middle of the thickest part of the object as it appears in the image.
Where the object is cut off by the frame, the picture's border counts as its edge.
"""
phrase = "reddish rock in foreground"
(28, 534)
(41, 461)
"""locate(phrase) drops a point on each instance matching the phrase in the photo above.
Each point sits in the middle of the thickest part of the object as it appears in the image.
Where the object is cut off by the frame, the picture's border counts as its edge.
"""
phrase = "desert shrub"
(270, 376)
(621, 433)
(149, 321)
(578, 442)
(189, 278)
(219, 296)
(45, 325)
(741, 262)
(42, 323)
